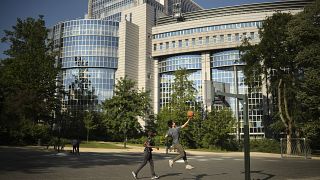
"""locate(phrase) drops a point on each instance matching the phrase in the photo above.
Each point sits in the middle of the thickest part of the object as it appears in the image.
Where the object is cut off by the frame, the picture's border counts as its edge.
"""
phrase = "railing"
(295, 148)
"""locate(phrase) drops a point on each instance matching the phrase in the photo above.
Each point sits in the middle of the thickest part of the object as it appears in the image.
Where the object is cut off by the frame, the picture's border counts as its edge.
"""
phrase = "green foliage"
(217, 129)
(264, 145)
(89, 123)
(27, 89)
(304, 35)
(182, 99)
(121, 112)
(288, 55)
(95, 144)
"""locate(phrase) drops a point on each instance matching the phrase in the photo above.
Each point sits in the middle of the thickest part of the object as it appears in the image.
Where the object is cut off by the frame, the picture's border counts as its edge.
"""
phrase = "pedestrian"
(149, 145)
(78, 146)
(174, 132)
(74, 146)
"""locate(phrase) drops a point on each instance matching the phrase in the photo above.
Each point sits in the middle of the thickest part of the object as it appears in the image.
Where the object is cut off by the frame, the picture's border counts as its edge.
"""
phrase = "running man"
(149, 144)
(174, 133)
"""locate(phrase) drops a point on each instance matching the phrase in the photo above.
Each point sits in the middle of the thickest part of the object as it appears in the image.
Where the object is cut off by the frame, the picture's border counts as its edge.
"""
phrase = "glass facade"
(182, 6)
(207, 29)
(89, 59)
(110, 9)
(227, 75)
(169, 65)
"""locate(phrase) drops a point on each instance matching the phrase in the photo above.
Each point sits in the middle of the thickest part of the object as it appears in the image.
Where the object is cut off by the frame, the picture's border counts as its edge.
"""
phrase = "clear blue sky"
(61, 10)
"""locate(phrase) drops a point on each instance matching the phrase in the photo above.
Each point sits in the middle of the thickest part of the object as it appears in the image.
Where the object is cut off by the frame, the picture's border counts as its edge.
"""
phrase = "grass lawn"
(100, 144)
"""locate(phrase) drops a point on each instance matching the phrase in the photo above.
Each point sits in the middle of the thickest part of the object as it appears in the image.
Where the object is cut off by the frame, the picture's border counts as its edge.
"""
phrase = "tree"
(304, 35)
(218, 126)
(181, 100)
(122, 111)
(89, 123)
(272, 58)
(287, 57)
(27, 76)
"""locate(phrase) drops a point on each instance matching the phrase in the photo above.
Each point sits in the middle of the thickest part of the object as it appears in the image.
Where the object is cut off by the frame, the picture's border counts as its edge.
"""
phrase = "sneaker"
(189, 167)
(134, 175)
(155, 177)
(170, 163)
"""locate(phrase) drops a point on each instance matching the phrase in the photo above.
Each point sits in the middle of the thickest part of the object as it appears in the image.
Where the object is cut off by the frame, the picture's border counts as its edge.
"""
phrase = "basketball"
(190, 114)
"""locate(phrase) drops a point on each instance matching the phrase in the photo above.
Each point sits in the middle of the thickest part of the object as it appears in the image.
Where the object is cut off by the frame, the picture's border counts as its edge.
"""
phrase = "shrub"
(265, 145)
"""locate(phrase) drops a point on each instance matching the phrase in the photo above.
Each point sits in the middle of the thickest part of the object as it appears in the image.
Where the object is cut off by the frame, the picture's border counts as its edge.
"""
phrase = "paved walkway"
(137, 149)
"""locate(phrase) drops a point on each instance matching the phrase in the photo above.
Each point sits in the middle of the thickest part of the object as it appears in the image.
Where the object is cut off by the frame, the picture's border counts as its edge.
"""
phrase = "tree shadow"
(33, 161)
(268, 176)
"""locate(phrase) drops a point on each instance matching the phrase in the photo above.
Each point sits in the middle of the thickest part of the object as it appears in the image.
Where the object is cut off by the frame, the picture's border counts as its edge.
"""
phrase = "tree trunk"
(289, 119)
(87, 136)
(284, 116)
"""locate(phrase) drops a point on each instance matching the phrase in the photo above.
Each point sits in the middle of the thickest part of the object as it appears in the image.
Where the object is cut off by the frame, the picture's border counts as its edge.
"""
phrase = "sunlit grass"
(100, 144)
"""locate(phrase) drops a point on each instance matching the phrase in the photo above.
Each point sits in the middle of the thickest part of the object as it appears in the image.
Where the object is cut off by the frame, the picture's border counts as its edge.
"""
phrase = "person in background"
(74, 146)
(149, 145)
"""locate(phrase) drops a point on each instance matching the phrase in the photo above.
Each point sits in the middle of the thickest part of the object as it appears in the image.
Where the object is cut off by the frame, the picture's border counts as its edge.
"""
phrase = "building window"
(252, 35)
(221, 38)
(180, 43)
(200, 41)
(237, 37)
(193, 41)
(187, 42)
(244, 35)
(161, 46)
(154, 47)
(229, 38)
(214, 39)
(173, 44)
(207, 40)
(167, 45)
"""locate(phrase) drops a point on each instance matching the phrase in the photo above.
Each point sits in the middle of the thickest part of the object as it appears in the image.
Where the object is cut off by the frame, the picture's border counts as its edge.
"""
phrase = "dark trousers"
(147, 158)
(74, 149)
(182, 153)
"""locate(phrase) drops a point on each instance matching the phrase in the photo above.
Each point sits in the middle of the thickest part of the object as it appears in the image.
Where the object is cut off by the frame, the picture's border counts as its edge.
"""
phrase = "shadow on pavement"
(169, 175)
(266, 175)
(32, 160)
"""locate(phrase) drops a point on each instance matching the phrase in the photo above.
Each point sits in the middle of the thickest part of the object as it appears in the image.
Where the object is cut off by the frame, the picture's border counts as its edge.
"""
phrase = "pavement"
(36, 162)
(137, 149)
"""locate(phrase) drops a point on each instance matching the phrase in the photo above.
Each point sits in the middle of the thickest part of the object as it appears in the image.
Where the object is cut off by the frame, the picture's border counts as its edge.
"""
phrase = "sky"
(55, 11)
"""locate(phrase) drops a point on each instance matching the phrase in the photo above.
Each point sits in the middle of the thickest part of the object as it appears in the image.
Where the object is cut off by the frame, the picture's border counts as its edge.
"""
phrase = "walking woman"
(148, 144)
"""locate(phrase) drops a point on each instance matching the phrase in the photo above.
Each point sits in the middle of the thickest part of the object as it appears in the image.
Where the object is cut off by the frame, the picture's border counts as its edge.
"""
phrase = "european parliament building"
(148, 40)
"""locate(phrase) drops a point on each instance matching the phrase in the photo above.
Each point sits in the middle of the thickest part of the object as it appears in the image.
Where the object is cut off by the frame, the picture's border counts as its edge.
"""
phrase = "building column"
(156, 86)
(206, 80)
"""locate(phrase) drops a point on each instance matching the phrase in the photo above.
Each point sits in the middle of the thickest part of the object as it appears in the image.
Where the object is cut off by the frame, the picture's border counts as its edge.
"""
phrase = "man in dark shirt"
(148, 144)
(174, 132)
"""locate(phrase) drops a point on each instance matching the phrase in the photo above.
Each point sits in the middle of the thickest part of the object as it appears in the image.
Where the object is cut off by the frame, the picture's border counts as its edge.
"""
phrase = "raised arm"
(186, 123)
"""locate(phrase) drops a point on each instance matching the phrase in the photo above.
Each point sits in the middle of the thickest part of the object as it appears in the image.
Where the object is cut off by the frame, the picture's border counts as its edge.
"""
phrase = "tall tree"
(182, 99)
(288, 56)
(88, 123)
(28, 75)
(304, 35)
(122, 111)
(272, 58)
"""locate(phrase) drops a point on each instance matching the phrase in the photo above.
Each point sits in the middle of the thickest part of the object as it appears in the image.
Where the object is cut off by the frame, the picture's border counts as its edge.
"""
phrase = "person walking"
(174, 132)
(149, 145)
(78, 146)
(74, 146)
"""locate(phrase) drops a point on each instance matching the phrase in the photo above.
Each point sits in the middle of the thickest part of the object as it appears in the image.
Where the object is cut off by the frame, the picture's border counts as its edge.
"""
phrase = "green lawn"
(100, 144)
